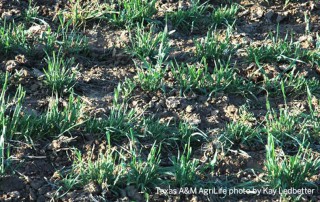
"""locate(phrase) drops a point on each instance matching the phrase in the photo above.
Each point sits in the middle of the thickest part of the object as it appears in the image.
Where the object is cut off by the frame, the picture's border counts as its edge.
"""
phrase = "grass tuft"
(284, 171)
(214, 47)
(59, 75)
(13, 38)
(31, 13)
(145, 44)
(184, 168)
(128, 12)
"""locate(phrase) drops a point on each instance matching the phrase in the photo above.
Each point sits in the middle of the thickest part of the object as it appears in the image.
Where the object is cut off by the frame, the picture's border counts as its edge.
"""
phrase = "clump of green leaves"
(10, 120)
(105, 171)
(80, 12)
(184, 168)
(145, 175)
(118, 124)
(150, 76)
(284, 171)
(57, 121)
(145, 44)
(224, 15)
(289, 82)
(128, 12)
(112, 170)
(283, 125)
(31, 13)
(150, 79)
(59, 75)
(191, 77)
(197, 16)
(191, 18)
(197, 78)
(169, 134)
(237, 133)
(13, 38)
(214, 47)
(277, 50)
(243, 132)
(67, 38)
(225, 79)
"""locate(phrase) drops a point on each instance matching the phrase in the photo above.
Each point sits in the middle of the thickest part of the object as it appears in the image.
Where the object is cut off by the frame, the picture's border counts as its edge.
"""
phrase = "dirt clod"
(11, 183)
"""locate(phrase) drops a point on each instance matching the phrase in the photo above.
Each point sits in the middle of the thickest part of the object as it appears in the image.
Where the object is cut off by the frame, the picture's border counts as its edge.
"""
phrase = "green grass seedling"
(59, 75)
(284, 171)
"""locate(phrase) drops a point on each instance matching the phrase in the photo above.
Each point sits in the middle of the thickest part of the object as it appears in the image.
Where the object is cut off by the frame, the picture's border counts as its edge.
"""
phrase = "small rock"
(214, 112)
(21, 59)
(270, 15)
(281, 16)
(37, 73)
(36, 29)
(43, 190)
(56, 144)
(257, 13)
(283, 67)
(11, 183)
(135, 103)
(41, 199)
(231, 109)
(194, 119)
(189, 108)
(93, 188)
(9, 15)
(172, 102)
(63, 141)
(133, 193)
(305, 38)
(312, 5)
(11, 65)
(124, 37)
(305, 41)
(14, 194)
(36, 184)
(194, 199)
(6, 16)
(34, 87)
(32, 195)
